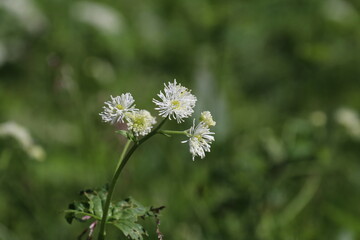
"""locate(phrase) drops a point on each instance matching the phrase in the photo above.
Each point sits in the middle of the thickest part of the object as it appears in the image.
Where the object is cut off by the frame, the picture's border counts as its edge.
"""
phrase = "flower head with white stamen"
(117, 107)
(207, 119)
(176, 102)
(140, 122)
(199, 140)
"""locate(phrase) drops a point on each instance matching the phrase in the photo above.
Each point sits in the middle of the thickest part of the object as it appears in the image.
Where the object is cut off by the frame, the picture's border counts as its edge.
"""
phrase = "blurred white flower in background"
(340, 11)
(350, 120)
(101, 17)
(23, 137)
(27, 13)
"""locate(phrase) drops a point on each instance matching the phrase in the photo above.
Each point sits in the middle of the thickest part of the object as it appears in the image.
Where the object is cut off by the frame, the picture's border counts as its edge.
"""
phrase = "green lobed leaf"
(123, 214)
(130, 229)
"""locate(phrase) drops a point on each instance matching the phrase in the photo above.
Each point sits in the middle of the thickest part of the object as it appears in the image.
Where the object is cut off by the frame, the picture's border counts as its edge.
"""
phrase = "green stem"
(169, 132)
(111, 190)
(122, 155)
(122, 162)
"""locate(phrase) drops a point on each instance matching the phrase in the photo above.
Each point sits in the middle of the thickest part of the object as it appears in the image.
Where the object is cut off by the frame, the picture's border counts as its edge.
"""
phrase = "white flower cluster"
(200, 136)
(117, 107)
(140, 122)
(176, 102)
(123, 108)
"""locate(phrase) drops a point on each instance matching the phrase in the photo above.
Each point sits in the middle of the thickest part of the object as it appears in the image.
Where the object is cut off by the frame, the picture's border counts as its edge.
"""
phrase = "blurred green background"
(280, 77)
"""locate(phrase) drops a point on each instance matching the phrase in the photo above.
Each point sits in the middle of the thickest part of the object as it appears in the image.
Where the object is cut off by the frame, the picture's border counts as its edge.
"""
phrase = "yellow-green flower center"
(175, 104)
(139, 121)
(120, 107)
(199, 137)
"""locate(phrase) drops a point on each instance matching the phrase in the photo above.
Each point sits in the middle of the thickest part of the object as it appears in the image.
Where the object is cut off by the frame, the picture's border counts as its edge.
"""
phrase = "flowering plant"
(176, 102)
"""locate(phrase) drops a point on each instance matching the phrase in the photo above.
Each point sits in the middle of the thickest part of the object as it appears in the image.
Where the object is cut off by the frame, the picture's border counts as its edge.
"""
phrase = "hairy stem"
(122, 162)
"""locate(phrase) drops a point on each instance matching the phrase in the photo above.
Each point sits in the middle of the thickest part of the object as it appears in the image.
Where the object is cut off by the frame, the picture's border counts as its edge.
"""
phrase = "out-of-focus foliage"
(280, 77)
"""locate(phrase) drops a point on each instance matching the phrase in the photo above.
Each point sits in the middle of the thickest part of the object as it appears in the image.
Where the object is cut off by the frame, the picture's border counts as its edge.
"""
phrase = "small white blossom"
(140, 122)
(207, 119)
(177, 102)
(117, 107)
(199, 140)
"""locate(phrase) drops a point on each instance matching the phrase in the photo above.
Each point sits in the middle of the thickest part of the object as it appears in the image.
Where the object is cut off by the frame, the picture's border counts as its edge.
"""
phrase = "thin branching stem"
(171, 132)
(125, 156)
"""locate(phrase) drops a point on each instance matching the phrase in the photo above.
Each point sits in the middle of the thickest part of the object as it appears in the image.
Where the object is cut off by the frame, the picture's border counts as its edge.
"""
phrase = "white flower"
(207, 119)
(140, 122)
(117, 107)
(177, 102)
(199, 140)
(23, 137)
